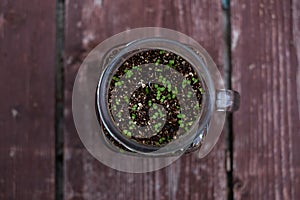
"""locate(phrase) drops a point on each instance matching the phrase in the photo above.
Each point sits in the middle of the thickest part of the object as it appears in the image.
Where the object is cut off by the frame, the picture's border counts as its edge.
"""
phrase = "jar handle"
(227, 100)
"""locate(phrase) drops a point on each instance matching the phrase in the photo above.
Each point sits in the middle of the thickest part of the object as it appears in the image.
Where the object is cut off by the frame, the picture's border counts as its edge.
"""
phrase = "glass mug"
(158, 95)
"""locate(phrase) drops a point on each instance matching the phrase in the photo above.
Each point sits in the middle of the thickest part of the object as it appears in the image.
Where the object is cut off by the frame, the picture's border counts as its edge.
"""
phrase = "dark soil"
(153, 97)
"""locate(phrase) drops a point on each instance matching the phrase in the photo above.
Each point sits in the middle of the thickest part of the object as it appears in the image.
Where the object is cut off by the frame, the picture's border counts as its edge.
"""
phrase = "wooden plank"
(87, 24)
(266, 55)
(27, 53)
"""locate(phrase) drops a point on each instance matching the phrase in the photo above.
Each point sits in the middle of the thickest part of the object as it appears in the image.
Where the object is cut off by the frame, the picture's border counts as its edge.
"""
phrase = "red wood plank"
(27, 53)
(87, 24)
(266, 55)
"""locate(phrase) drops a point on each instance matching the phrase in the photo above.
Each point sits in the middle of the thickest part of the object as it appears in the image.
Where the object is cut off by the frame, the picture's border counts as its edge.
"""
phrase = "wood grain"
(27, 49)
(265, 46)
(87, 24)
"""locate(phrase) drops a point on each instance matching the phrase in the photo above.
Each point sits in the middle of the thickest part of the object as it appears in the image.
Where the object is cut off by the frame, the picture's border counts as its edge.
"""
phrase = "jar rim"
(172, 46)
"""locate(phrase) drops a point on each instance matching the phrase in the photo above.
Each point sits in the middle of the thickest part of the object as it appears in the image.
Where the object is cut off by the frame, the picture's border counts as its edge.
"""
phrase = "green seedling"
(115, 78)
(127, 133)
(194, 80)
(180, 116)
(119, 83)
(119, 114)
(162, 139)
(190, 123)
(157, 62)
(129, 74)
(134, 107)
(126, 99)
(171, 62)
(133, 116)
(201, 90)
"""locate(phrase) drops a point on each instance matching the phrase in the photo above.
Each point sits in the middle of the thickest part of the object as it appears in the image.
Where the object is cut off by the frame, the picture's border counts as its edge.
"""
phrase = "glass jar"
(129, 75)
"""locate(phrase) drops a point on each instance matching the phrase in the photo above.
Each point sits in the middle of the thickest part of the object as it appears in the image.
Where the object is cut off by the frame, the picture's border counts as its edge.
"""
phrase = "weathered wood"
(87, 24)
(27, 48)
(266, 55)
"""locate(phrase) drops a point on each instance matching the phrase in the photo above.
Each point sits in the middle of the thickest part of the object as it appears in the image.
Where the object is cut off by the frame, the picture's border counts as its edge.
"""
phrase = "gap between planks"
(228, 128)
(59, 99)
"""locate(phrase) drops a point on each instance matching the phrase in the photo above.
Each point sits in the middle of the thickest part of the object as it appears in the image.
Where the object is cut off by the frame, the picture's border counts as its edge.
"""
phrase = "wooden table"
(256, 45)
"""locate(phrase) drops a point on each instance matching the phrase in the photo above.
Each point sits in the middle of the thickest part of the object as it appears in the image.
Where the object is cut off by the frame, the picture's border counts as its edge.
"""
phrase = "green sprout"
(194, 80)
(160, 78)
(161, 89)
(190, 123)
(128, 74)
(161, 51)
(157, 62)
(127, 133)
(115, 78)
(164, 81)
(154, 116)
(183, 84)
(119, 83)
(136, 67)
(133, 116)
(162, 139)
(180, 116)
(169, 87)
(117, 101)
(161, 114)
(201, 90)
(158, 95)
(169, 96)
(126, 99)
(147, 90)
(156, 126)
(175, 91)
(119, 114)
(134, 107)
(171, 62)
